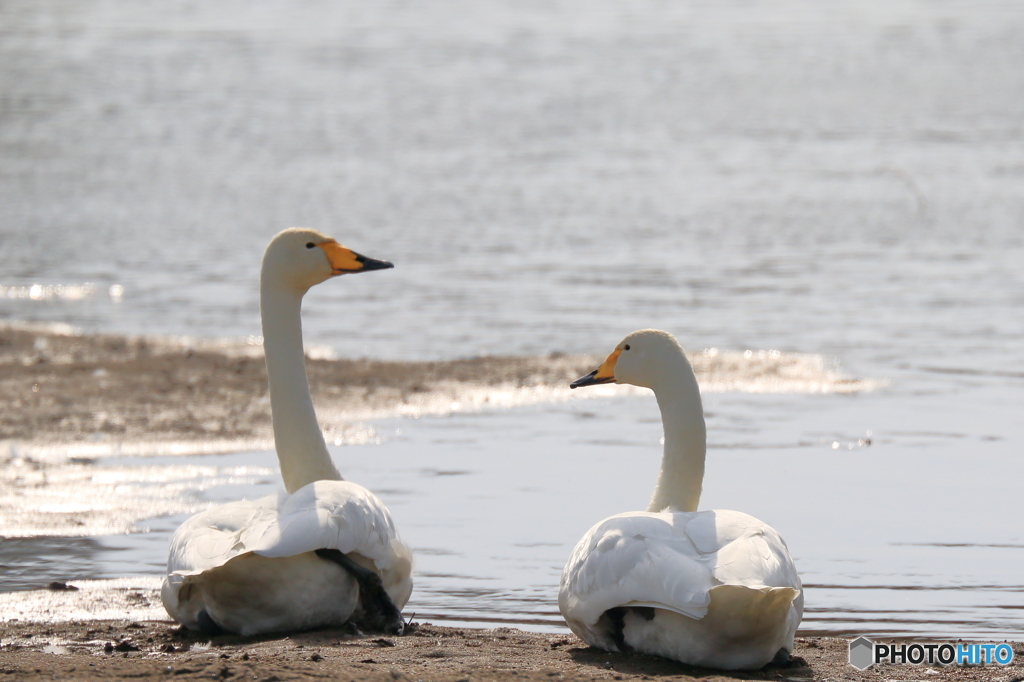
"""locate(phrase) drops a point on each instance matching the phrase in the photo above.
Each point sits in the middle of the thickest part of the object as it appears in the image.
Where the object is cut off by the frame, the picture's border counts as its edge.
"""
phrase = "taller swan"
(325, 552)
(712, 588)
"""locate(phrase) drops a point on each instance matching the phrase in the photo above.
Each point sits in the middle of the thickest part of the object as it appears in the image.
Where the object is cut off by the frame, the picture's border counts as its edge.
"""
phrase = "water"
(492, 502)
(839, 179)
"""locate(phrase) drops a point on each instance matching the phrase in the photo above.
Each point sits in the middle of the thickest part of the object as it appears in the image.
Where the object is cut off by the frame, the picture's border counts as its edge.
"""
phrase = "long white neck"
(682, 415)
(301, 449)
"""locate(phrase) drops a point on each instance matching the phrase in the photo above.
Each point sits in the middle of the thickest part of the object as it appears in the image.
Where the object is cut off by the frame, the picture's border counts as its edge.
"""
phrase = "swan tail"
(745, 628)
(765, 617)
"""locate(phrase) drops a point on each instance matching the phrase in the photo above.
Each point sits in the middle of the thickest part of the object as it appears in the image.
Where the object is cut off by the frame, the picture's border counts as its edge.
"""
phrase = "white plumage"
(269, 580)
(712, 588)
(251, 567)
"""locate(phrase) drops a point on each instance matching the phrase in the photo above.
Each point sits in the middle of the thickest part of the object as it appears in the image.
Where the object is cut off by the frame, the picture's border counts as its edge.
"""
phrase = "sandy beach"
(106, 650)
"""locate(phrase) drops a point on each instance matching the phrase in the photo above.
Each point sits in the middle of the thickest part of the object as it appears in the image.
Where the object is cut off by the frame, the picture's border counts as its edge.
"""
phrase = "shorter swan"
(325, 552)
(714, 588)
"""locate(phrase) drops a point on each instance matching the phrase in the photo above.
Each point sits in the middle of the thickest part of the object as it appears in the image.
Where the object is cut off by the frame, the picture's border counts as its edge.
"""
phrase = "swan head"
(640, 359)
(299, 258)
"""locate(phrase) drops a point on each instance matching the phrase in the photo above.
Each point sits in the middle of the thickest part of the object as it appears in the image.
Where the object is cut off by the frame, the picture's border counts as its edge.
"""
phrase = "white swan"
(324, 553)
(712, 588)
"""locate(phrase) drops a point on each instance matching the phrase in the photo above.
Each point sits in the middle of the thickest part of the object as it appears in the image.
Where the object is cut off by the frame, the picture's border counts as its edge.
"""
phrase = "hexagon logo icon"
(862, 653)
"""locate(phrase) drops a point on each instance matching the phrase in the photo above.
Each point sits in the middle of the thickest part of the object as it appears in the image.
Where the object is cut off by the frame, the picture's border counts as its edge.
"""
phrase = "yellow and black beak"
(605, 374)
(344, 260)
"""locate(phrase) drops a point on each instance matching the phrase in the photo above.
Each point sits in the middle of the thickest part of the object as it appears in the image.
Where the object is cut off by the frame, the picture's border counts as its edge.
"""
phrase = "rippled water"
(841, 179)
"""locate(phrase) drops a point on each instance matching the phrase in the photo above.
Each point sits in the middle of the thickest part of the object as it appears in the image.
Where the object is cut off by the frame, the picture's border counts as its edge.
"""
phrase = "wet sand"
(105, 650)
(68, 388)
(102, 394)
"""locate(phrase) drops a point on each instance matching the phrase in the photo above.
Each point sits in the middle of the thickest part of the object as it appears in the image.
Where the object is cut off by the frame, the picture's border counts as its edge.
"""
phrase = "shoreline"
(141, 650)
(96, 394)
(67, 394)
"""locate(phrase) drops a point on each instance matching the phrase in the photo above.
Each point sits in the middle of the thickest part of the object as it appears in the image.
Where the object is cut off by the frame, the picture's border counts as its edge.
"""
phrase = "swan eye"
(626, 347)
(310, 245)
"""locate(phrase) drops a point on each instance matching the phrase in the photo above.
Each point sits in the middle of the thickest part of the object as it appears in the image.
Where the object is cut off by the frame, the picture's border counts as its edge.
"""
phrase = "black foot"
(351, 629)
(616, 620)
(783, 659)
(617, 623)
(208, 626)
(379, 612)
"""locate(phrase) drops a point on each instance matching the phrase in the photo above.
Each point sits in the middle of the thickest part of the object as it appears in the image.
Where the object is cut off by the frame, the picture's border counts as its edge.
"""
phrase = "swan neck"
(300, 445)
(682, 464)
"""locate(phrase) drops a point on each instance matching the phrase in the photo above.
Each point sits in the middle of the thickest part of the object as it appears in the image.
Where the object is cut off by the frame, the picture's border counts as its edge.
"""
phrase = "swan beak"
(344, 260)
(605, 374)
